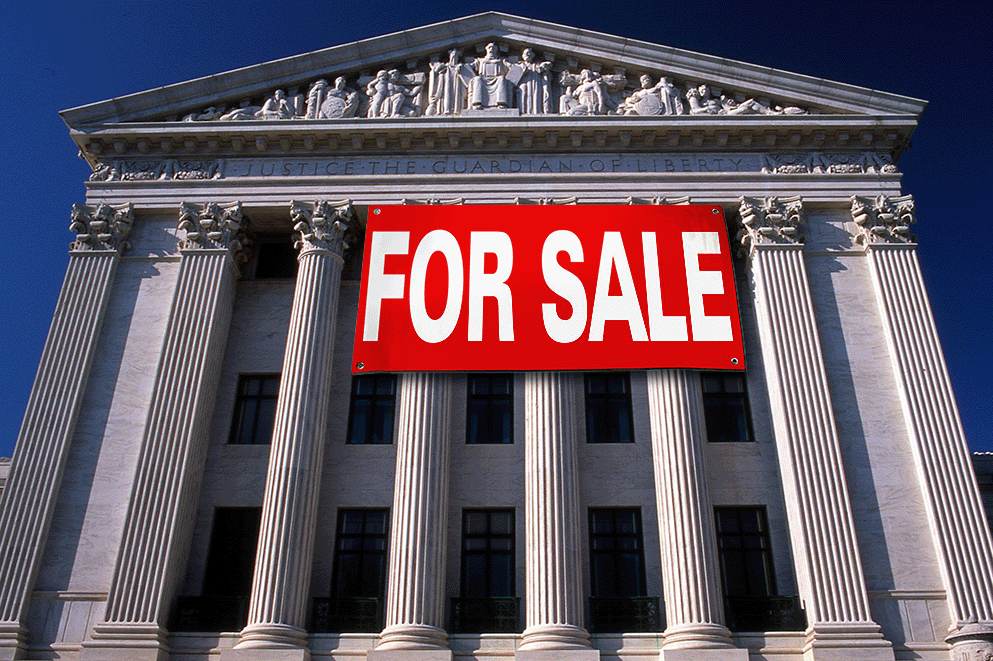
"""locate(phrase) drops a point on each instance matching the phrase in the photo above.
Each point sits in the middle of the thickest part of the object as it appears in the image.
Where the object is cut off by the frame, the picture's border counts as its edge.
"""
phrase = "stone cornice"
(550, 133)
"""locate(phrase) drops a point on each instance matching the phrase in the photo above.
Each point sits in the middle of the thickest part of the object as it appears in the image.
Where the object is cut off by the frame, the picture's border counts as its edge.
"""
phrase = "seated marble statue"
(588, 97)
(644, 101)
(702, 102)
(533, 86)
(489, 88)
(324, 102)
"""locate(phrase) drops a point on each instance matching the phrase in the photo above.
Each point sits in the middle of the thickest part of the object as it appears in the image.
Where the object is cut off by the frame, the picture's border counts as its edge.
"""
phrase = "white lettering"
(615, 308)
(382, 285)
(428, 329)
(482, 284)
(660, 327)
(564, 283)
(698, 283)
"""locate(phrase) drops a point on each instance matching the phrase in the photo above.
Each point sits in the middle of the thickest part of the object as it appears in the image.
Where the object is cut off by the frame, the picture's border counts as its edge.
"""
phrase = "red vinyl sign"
(570, 287)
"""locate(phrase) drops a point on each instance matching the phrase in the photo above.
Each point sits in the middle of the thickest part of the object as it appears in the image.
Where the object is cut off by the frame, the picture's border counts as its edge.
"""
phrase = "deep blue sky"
(60, 55)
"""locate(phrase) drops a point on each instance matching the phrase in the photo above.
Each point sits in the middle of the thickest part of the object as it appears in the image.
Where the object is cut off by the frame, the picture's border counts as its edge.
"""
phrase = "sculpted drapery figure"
(276, 107)
(533, 86)
(389, 96)
(660, 99)
(450, 85)
(325, 102)
(489, 88)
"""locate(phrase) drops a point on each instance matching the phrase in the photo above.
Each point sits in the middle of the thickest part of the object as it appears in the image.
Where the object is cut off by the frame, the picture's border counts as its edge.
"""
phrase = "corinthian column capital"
(884, 219)
(324, 225)
(101, 227)
(213, 226)
(771, 220)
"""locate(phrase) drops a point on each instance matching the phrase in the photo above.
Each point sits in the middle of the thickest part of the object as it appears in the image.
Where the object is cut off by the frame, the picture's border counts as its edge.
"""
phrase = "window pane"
(361, 417)
(266, 421)
(488, 553)
(270, 386)
(502, 576)
(711, 383)
(501, 523)
(476, 523)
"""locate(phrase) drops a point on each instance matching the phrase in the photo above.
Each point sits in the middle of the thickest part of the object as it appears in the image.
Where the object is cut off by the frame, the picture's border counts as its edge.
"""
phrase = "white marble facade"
(875, 521)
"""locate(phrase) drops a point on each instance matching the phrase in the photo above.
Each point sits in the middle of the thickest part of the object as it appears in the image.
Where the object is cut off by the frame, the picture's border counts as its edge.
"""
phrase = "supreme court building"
(200, 476)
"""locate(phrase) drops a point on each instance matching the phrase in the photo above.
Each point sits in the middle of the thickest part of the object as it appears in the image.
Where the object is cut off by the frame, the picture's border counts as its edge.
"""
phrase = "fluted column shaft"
(951, 497)
(284, 559)
(155, 540)
(822, 527)
(415, 593)
(32, 486)
(690, 576)
(554, 600)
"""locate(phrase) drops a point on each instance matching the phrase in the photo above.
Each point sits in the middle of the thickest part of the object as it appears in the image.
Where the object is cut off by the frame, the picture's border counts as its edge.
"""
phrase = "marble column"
(156, 533)
(822, 528)
(278, 608)
(415, 589)
(50, 418)
(691, 581)
(553, 555)
(941, 455)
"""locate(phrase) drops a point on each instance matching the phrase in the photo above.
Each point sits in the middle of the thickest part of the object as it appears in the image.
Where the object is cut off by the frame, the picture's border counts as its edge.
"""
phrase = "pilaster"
(822, 528)
(35, 477)
(554, 599)
(173, 445)
(278, 607)
(941, 455)
(415, 591)
(691, 580)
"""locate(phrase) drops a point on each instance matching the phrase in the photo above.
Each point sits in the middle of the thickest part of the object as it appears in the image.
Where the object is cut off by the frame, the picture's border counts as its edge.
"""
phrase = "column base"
(271, 636)
(704, 654)
(12, 641)
(554, 637)
(557, 655)
(973, 640)
(847, 642)
(411, 638)
(698, 636)
(126, 642)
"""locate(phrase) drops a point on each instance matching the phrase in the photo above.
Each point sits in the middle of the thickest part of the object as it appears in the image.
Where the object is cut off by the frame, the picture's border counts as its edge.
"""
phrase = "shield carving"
(648, 105)
(333, 107)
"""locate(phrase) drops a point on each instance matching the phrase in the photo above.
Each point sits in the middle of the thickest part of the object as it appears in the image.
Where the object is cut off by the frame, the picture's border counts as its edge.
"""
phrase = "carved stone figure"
(325, 102)
(703, 102)
(390, 95)
(450, 85)
(588, 94)
(275, 107)
(241, 114)
(489, 88)
(213, 112)
(533, 85)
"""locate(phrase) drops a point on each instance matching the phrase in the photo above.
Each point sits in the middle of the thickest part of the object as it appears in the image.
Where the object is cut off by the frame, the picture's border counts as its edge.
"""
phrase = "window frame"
(241, 397)
(607, 399)
(489, 399)
(364, 554)
(764, 549)
(218, 557)
(374, 398)
(488, 553)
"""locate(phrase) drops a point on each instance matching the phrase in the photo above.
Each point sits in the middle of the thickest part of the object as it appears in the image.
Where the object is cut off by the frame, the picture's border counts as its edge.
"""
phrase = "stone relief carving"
(884, 219)
(828, 163)
(178, 169)
(455, 84)
(324, 225)
(770, 220)
(214, 226)
(101, 227)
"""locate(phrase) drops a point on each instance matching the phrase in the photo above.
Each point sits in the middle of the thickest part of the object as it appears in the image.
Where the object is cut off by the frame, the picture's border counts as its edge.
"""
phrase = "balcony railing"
(492, 615)
(347, 614)
(209, 613)
(765, 614)
(624, 614)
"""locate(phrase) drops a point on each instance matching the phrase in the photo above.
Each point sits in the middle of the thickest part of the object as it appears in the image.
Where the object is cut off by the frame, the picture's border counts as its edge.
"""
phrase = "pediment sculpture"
(459, 85)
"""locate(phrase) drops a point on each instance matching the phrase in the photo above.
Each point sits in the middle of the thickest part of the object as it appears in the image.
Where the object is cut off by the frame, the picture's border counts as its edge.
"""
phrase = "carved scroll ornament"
(214, 226)
(884, 219)
(771, 220)
(101, 227)
(324, 225)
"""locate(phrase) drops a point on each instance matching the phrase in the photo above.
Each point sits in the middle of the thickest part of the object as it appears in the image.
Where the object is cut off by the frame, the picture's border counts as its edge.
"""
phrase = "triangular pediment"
(572, 72)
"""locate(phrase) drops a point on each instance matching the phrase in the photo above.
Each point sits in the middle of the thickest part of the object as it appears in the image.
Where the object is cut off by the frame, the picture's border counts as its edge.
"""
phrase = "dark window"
(275, 258)
(360, 553)
(617, 555)
(373, 401)
(490, 409)
(746, 556)
(231, 558)
(608, 407)
(358, 576)
(223, 601)
(725, 402)
(487, 602)
(488, 553)
(255, 409)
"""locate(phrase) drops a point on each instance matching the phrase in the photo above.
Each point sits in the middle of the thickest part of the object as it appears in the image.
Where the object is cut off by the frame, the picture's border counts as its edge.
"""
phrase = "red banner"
(569, 287)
